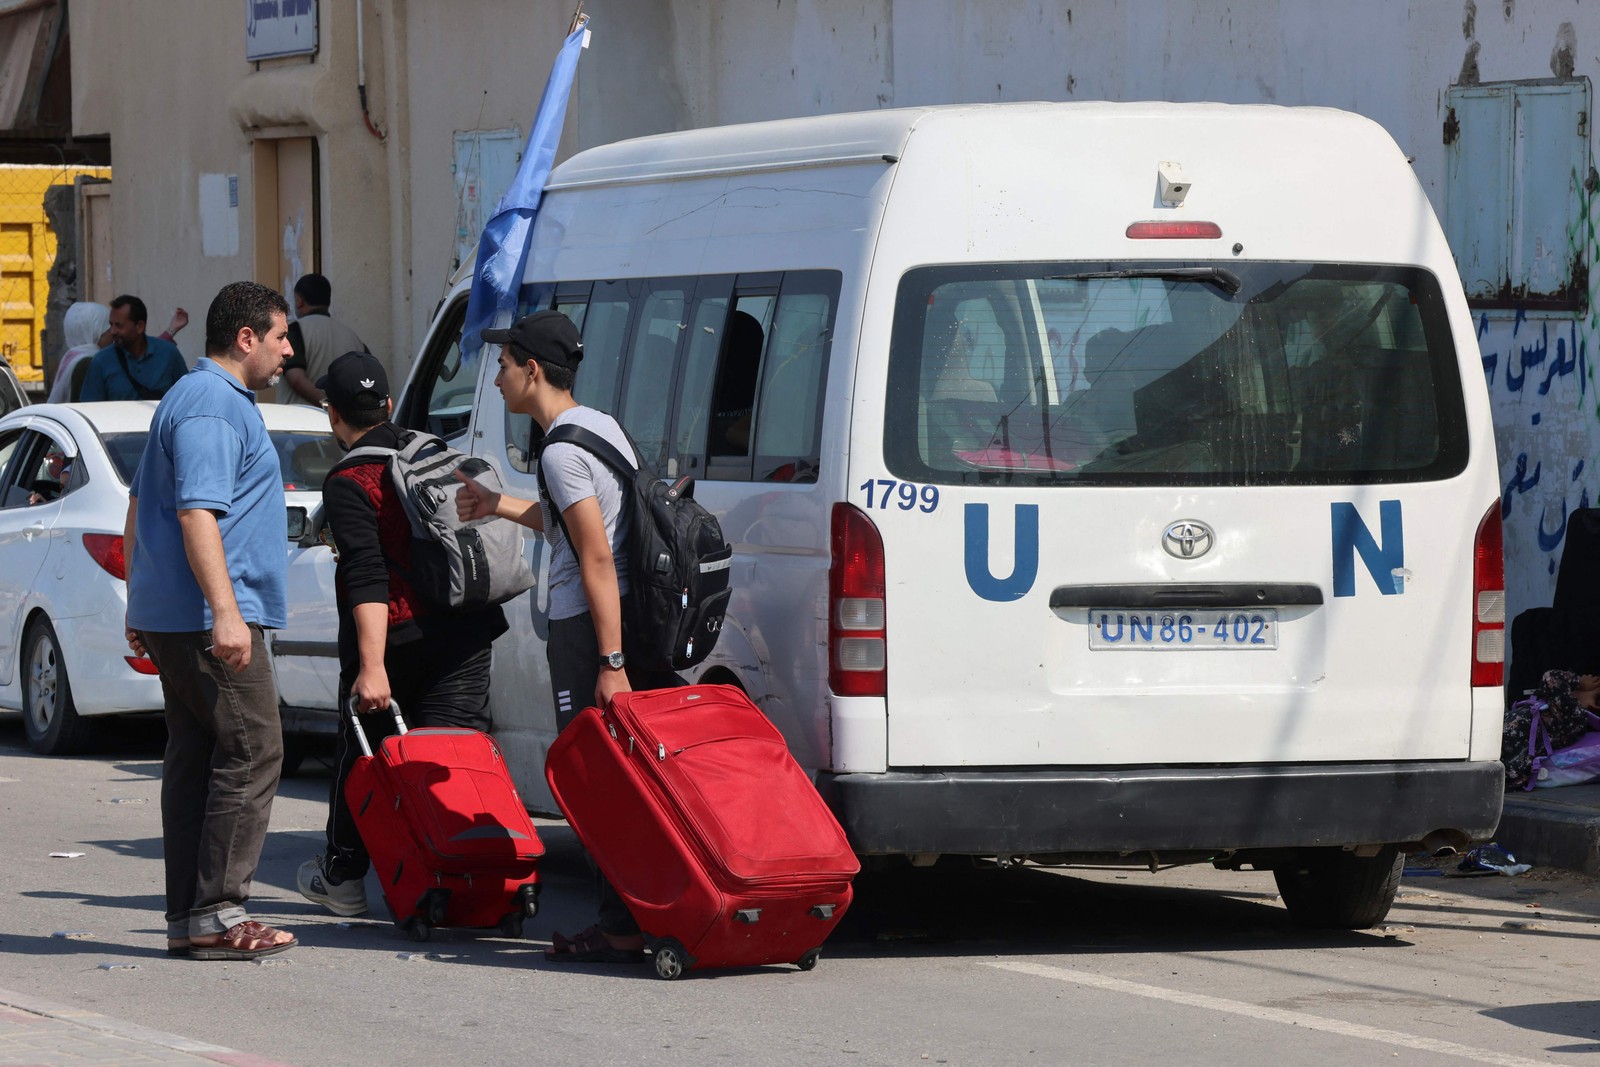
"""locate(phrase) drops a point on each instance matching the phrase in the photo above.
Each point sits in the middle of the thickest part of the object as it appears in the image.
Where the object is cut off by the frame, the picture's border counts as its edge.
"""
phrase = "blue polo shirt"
(160, 368)
(208, 448)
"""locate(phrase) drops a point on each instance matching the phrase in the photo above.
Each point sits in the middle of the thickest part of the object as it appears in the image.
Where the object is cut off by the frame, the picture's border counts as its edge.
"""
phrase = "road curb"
(127, 1031)
(1549, 834)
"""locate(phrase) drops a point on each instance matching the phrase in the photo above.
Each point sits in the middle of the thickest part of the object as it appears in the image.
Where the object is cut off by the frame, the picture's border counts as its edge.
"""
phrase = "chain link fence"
(28, 251)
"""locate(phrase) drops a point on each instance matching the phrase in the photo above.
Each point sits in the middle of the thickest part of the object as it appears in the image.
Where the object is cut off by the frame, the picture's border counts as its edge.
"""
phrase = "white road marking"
(1272, 1015)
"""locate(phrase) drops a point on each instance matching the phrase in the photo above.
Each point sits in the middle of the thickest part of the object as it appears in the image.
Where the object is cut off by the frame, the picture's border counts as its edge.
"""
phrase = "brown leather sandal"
(242, 941)
(589, 946)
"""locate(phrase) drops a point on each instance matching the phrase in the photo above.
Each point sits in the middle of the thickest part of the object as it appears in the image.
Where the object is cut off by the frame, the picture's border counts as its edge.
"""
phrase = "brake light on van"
(857, 658)
(106, 550)
(1168, 231)
(1488, 603)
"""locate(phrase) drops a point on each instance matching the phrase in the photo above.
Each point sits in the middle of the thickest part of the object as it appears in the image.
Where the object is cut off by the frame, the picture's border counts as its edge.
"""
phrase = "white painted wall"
(659, 65)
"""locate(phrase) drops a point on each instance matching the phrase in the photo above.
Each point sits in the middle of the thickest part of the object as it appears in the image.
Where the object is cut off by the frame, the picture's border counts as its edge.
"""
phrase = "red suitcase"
(447, 832)
(691, 805)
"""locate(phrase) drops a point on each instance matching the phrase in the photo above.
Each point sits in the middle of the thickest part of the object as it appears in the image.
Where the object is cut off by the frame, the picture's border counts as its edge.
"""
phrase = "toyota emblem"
(1187, 538)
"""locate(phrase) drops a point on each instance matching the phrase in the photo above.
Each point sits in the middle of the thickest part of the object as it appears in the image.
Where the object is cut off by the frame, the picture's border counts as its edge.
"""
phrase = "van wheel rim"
(43, 684)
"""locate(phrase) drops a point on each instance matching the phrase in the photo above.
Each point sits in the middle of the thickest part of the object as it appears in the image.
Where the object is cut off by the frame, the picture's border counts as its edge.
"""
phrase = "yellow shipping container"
(27, 251)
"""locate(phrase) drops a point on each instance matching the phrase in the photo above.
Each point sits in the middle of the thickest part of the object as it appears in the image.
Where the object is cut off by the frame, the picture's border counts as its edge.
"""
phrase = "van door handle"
(1186, 595)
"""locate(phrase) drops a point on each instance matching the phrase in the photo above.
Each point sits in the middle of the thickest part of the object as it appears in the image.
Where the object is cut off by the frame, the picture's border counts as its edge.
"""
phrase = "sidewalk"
(38, 1033)
(1554, 827)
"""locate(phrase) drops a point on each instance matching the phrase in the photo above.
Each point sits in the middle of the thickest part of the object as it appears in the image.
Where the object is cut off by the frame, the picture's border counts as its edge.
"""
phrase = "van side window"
(605, 329)
(652, 358)
(692, 417)
(733, 400)
(717, 376)
(789, 425)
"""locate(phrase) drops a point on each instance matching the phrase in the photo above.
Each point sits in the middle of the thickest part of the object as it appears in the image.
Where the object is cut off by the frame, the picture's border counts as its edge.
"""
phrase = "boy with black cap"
(586, 648)
(391, 646)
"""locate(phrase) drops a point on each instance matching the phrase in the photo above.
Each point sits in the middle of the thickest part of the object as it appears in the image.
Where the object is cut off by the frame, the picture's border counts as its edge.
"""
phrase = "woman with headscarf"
(85, 324)
(86, 329)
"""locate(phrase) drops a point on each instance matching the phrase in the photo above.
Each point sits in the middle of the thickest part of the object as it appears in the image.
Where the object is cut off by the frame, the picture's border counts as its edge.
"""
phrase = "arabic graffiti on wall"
(1540, 373)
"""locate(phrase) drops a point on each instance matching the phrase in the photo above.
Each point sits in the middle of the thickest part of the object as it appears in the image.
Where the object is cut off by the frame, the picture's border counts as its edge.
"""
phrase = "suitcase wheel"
(528, 900)
(434, 906)
(809, 960)
(417, 929)
(511, 925)
(671, 960)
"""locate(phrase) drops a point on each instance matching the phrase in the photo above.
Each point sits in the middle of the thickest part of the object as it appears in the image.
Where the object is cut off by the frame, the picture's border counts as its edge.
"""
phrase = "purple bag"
(1576, 764)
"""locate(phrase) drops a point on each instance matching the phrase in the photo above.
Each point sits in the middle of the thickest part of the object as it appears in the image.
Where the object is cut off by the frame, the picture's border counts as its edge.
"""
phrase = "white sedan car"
(64, 473)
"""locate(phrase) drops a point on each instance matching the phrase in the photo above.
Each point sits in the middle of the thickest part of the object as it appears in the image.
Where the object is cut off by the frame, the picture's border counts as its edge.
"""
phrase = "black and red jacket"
(361, 505)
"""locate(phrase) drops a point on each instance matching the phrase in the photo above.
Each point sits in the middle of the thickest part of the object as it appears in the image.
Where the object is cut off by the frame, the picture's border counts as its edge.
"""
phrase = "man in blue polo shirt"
(206, 574)
(134, 366)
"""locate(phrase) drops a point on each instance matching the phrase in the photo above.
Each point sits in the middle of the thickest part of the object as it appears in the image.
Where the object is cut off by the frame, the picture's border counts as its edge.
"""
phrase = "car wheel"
(1334, 889)
(48, 714)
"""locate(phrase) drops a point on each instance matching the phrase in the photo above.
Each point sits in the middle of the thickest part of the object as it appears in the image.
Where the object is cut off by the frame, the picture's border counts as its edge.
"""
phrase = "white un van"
(1109, 483)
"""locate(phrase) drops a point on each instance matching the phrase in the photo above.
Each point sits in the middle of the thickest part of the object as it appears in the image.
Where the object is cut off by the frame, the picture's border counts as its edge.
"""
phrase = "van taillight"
(106, 550)
(1488, 603)
(1167, 231)
(856, 653)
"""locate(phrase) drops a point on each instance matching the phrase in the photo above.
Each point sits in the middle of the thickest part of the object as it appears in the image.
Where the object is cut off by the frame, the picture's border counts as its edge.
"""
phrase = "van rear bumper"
(986, 812)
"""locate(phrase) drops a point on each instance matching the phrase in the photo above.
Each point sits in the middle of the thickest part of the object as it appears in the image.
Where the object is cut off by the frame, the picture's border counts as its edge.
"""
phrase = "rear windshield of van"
(1174, 374)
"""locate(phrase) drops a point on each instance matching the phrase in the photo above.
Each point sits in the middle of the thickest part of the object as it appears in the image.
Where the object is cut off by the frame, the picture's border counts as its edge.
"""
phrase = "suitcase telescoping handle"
(361, 735)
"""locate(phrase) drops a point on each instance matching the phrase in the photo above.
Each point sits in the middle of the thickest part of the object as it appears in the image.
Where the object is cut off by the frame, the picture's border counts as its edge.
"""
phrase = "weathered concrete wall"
(172, 87)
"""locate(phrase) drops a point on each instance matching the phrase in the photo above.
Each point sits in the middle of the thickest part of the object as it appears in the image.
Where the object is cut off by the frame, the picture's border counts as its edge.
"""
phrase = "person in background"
(317, 338)
(86, 330)
(134, 366)
(81, 328)
(52, 480)
(207, 574)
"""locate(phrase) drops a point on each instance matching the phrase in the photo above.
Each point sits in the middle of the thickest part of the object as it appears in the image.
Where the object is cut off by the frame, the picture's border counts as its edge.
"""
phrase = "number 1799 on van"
(1256, 629)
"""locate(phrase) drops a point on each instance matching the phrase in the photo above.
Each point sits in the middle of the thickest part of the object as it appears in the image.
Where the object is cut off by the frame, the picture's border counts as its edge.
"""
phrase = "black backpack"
(678, 562)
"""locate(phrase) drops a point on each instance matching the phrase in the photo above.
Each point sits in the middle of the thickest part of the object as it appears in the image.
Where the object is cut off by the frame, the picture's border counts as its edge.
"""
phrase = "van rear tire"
(1329, 888)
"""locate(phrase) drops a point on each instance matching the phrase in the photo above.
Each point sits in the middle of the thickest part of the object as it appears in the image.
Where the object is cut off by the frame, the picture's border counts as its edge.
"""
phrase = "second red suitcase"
(690, 803)
(449, 837)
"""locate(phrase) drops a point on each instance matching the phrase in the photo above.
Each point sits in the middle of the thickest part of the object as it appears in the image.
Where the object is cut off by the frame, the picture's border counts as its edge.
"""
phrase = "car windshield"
(1176, 374)
(305, 457)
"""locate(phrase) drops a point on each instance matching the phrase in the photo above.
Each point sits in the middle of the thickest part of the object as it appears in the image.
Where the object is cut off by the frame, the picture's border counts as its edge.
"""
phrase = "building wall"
(658, 65)
(171, 85)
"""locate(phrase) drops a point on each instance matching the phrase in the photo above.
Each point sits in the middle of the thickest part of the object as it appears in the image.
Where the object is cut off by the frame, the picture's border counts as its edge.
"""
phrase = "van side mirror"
(298, 521)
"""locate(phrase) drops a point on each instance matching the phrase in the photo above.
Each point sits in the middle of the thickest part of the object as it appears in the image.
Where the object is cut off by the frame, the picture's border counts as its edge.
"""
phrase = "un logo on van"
(1187, 538)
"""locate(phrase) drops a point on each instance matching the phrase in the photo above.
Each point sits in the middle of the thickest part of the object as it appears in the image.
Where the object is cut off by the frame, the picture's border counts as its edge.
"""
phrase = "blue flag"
(503, 246)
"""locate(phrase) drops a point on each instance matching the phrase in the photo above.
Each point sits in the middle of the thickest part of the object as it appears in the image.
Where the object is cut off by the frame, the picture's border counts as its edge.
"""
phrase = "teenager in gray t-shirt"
(572, 474)
(588, 566)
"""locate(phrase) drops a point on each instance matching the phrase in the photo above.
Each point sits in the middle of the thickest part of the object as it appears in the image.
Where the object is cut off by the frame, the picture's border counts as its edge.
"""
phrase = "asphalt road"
(957, 966)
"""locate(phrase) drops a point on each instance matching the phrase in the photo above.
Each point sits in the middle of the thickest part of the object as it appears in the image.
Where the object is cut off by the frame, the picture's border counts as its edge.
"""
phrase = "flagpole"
(503, 245)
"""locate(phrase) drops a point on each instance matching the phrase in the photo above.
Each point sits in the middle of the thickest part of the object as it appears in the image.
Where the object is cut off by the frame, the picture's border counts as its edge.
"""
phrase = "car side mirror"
(298, 522)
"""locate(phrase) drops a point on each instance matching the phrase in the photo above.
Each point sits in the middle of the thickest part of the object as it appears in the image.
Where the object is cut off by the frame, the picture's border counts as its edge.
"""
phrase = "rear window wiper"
(1222, 278)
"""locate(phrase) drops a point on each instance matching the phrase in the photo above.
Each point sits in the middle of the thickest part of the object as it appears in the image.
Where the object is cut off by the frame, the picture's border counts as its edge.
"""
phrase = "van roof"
(864, 136)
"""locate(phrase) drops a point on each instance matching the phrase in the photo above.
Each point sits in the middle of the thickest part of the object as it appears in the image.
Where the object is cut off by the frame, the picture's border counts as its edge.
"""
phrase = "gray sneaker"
(348, 897)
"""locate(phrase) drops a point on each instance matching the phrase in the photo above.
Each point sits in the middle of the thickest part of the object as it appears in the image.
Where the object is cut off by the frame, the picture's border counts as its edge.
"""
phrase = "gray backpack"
(454, 567)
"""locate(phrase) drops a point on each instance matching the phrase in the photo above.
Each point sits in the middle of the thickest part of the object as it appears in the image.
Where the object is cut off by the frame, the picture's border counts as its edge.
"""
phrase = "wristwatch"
(614, 660)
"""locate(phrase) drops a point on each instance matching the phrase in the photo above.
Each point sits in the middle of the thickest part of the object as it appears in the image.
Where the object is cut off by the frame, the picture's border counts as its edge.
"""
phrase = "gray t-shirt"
(572, 474)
